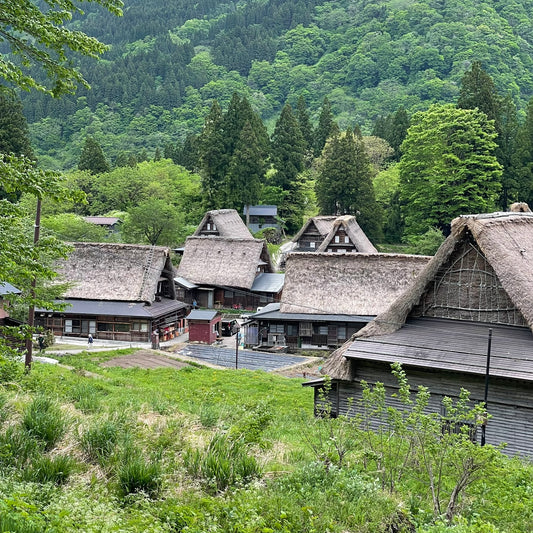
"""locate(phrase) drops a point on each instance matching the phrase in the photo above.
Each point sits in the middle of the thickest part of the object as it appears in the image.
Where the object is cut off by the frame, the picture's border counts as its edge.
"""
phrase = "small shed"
(204, 325)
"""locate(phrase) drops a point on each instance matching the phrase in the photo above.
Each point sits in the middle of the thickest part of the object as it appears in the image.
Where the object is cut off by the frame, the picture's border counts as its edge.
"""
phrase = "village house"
(117, 291)
(327, 297)
(340, 234)
(111, 224)
(259, 217)
(218, 272)
(478, 285)
(6, 289)
(224, 223)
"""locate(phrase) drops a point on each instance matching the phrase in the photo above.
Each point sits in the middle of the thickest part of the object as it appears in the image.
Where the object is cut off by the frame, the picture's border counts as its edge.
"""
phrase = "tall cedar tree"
(393, 128)
(306, 127)
(288, 153)
(246, 171)
(344, 183)
(213, 158)
(326, 128)
(448, 167)
(478, 91)
(523, 158)
(92, 158)
(14, 134)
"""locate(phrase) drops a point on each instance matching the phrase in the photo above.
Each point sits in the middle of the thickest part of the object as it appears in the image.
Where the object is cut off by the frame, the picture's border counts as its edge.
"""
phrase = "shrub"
(137, 474)
(44, 420)
(99, 441)
(223, 464)
(51, 469)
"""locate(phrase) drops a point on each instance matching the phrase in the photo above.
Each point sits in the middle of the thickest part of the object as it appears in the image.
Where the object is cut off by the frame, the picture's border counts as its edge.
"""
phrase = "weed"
(44, 420)
(55, 470)
(17, 447)
(137, 474)
(99, 441)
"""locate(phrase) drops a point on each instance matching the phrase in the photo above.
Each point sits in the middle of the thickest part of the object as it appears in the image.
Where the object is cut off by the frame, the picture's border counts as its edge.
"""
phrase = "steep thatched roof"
(352, 284)
(323, 224)
(223, 262)
(355, 233)
(228, 224)
(505, 239)
(119, 272)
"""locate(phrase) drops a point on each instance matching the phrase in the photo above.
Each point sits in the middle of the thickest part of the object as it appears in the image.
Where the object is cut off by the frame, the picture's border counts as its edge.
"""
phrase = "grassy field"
(201, 450)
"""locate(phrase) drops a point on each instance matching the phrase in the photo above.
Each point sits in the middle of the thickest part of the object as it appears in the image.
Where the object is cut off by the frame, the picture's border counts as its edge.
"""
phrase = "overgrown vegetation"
(199, 450)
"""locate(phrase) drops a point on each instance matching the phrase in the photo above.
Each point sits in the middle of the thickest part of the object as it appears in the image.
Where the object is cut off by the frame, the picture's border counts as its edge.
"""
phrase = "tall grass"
(136, 474)
(100, 440)
(44, 420)
(55, 470)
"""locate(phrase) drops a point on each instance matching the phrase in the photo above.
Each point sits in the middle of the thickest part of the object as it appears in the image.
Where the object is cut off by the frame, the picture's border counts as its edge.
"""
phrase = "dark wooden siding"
(510, 403)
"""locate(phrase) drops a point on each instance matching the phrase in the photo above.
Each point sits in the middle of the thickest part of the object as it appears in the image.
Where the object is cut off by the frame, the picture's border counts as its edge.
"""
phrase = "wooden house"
(225, 272)
(111, 224)
(6, 289)
(480, 281)
(224, 223)
(204, 325)
(259, 217)
(118, 292)
(327, 297)
(341, 234)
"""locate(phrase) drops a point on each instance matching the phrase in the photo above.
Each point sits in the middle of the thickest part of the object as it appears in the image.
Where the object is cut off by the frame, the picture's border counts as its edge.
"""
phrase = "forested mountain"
(168, 61)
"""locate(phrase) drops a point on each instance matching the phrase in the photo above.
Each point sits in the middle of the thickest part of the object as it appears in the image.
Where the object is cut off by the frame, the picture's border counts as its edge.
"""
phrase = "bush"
(137, 474)
(99, 441)
(51, 469)
(44, 420)
(223, 464)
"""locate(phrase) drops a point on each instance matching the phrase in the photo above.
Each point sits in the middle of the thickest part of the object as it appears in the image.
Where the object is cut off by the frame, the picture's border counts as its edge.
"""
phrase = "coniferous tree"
(507, 146)
(326, 127)
(246, 171)
(344, 183)
(92, 157)
(288, 153)
(305, 124)
(523, 158)
(213, 158)
(399, 125)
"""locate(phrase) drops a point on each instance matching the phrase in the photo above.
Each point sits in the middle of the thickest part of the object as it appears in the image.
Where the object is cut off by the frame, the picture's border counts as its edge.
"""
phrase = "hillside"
(169, 60)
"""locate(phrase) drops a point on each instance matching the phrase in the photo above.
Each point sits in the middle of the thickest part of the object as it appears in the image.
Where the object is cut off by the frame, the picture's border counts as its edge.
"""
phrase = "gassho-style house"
(329, 296)
(479, 284)
(117, 292)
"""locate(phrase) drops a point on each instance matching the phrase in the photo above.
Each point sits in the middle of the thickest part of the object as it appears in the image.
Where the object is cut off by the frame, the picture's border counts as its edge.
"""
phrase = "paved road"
(248, 359)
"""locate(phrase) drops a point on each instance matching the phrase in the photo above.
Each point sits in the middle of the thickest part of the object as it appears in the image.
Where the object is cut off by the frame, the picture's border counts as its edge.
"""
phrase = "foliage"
(99, 440)
(135, 474)
(92, 158)
(44, 420)
(73, 228)
(45, 469)
(448, 167)
(427, 243)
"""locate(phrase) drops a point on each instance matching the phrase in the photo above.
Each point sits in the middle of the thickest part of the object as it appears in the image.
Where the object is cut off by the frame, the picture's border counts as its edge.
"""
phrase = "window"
(320, 330)
(105, 326)
(337, 239)
(228, 294)
(292, 330)
(208, 227)
(346, 239)
(312, 244)
(140, 326)
(341, 332)
(277, 328)
(122, 327)
(72, 326)
(306, 329)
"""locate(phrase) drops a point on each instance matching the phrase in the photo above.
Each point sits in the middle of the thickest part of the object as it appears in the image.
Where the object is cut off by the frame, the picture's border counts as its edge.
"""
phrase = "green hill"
(169, 60)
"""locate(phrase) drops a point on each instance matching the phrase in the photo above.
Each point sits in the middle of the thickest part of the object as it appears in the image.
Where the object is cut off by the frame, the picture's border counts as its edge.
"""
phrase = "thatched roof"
(223, 262)
(505, 239)
(119, 272)
(228, 224)
(323, 224)
(352, 284)
(353, 230)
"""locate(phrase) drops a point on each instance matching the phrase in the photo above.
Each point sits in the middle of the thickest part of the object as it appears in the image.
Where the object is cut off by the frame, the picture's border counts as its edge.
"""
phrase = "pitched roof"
(228, 224)
(266, 210)
(210, 260)
(102, 221)
(268, 282)
(7, 288)
(351, 284)
(506, 241)
(353, 230)
(323, 224)
(111, 271)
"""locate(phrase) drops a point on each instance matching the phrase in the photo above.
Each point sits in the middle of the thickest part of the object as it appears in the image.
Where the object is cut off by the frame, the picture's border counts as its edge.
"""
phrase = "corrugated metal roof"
(266, 282)
(202, 314)
(266, 210)
(185, 283)
(272, 312)
(7, 288)
(452, 345)
(126, 309)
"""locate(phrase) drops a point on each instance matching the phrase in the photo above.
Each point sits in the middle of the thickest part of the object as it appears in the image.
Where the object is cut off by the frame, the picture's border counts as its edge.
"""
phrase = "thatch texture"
(120, 272)
(223, 262)
(228, 224)
(352, 284)
(349, 225)
(322, 223)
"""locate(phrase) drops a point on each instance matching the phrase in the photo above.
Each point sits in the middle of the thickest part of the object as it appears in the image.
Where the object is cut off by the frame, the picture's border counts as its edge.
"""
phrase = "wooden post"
(486, 397)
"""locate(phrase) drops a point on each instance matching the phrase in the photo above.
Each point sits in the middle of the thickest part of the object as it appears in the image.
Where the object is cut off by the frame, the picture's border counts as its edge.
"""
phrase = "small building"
(116, 292)
(5, 290)
(259, 217)
(327, 297)
(312, 233)
(227, 272)
(204, 325)
(111, 224)
(224, 223)
(346, 236)
(479, 281)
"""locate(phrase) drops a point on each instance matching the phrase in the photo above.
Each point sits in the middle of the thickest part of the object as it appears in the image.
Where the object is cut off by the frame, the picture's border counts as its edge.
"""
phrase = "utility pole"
(237, 333)
(486, 397)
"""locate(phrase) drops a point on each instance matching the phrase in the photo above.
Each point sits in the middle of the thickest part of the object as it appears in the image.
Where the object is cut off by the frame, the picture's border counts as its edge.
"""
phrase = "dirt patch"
(144, 359)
